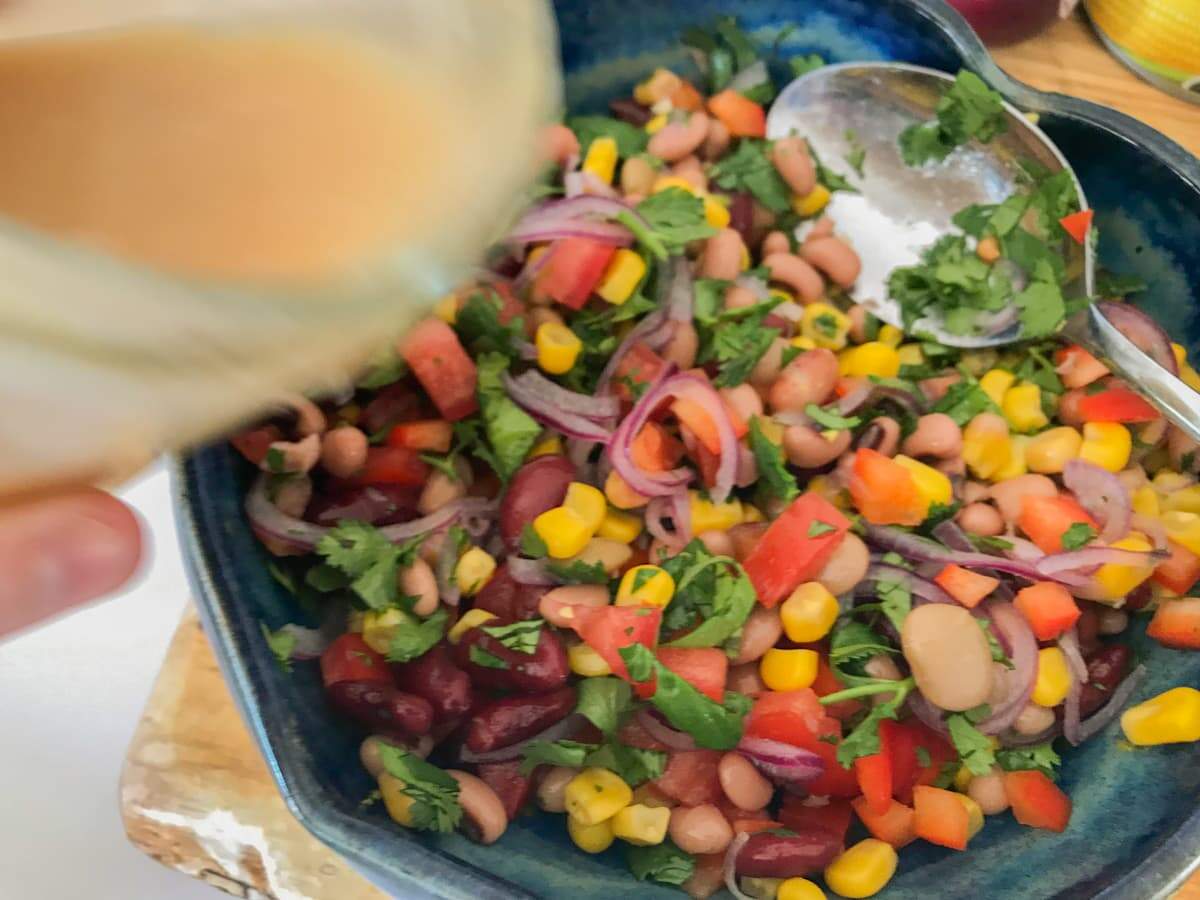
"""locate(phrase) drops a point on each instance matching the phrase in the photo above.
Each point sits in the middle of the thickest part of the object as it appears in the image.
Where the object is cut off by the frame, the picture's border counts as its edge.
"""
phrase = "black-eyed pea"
(1033, 720)
(980, 518)
(484, 819)
(936, 435)
(690, 170)
(441, 489)
(776, 242)
(798, 274)
(1009, 495)
(834, 257)
(766, 370)
(809, 378)
(847, 566)
(989, 792)
(738, 297)
(809, 449)
(718, 543)
(743, 400)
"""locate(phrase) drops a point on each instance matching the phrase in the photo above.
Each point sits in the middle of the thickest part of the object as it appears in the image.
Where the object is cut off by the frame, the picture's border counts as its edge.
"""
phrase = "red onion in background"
(1007, 21)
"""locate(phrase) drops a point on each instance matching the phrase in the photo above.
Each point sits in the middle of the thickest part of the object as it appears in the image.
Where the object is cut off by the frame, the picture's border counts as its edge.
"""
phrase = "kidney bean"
(834, 257)
(382, 708)
(537, 486)
(397, 402)
(1107, 668)
(511, 787)
(629, 110)
(508, 598)
(778, 856)
(483, 818)
(435, 676)
(503, 722)
(742, 209)
(545, 669)
(796, 273)
(1087, 628)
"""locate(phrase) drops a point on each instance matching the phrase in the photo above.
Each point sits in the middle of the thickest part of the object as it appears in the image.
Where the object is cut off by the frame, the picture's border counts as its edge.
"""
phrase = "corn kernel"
(380, 627)
(716, 213)
(1186, 499)
(397, 803)
(987, 447)
(804, 343)
(962, 779)
(1183, 528)
(891, 335)
(563, 530)
(1049, 452)
(812, 202)
(709, 516)
(1022, 406)
(799, 889)
(622, 276)
(601, 158)
(620, 526)
(772, 430)
(472, 618)
(666, 182)
(1172, 717)
(586, 662)
(974, 815)
(1190, 377)
(862, 871)
(611, 555)
(1145, 501)
(646, 586)
(933, 486)
(657, 123)
(587, 502)
(872, 358)
(1113, 581)
(788, 670)
(475, 569)
(1107, 445)
(751, 514)
(1016, 459)
(620, 494)
(808, 613)
(446, 309)
(661, 83)
(995, 383)
(642, 826)
(825, 325)
(760, 888)
(910, 354)
(558, 348)
(596, 795)
(591, 838)
(551, 445)
(1053, 678)
(744, 261)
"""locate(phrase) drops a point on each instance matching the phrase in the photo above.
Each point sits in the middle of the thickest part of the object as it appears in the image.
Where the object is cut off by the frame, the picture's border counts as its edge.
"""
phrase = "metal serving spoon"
(900, 210)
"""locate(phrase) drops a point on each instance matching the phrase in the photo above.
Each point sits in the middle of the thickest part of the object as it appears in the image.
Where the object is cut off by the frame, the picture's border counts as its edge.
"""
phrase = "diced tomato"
(796, 718)
(698, 421)
(255, 443)
(884, 491)
(691, 777)
(940, 817)
(706, 461)
(573, 269)
(427, 435)
(606, 629)
(511, 786)
(801, 712)
(895, 826)
(704, 668)
(654, 449)
(1179, 571)
(827, 682)
(918, 754)
(392, 465)
(1046, 519)
(833, 816)
(448, 375)
(967, 587)
(687, 97)
(742, 116)
(1077, 224)
(874, 774)
(1037, 801)
(1077, 368)
(1049, 609)
(1116, 404)
(1176, 623)
(795, 547)
(510, 306)
(639, 366)
(349, 658)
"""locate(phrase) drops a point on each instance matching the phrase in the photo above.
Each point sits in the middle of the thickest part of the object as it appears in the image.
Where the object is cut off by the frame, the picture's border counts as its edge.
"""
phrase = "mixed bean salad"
(653, 528)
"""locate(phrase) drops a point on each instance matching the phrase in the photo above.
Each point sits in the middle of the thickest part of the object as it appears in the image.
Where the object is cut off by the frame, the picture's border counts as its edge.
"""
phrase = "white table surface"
(71, 693)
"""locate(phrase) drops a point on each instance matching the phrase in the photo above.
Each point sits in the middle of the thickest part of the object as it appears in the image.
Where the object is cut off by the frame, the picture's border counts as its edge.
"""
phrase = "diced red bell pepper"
(698, 421)
(704, 668)
(573, 269)
(884, 491)
(1077, 224)
(895, 826)
(1179, 571)
(833, 816)
(1077, 368)
(349, 658)
(1176, 623)
(639, 366)
(910, 767)
(795, 547)
(1116, 404)
(392, 465)
(1046, 519)
(967, 587)
(255, 443)
(654, 449)
(1049, 609)
(706, 461)
(740, 115)
(691, 777)
(827, 682)
(426, 435)
(448, 375)
(606, 629)
(874, 774)
(1037, 801)
(940, 817)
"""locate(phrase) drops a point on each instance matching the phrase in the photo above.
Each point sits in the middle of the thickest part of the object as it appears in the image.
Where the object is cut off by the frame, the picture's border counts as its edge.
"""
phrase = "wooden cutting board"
(196, 795)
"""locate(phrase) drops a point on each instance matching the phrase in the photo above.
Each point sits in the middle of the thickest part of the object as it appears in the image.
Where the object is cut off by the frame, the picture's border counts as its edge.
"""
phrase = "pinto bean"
(722, 256)
(1069, 407)
(637, 176)
(809, 449)
(791, 159)
(508, 720)
(738, 297)
(552, 790)
(834, 258)
(293, 495)
(483, 818)
(555, 605)
(743, 400)
(882, 435)
(717, 543)
(539, 485)
(766, 370)
(716, 142)
(1107, 668)
(545, 669)
(1033, 719)
(988, 791)
(700, 829)
(1009, 495)
(768, 855)
(435, 676)
(949, 656)
(809, 378)
(981, 518)
(797, 274)
(382, 708)
(681, 347)
(760, 633)
(858, 316)
(675, 140)
(343, 451)
(775, 242)
(847, 567)
(418, 581)
(822, 228)
(743, 784)
(691, 171)
(936, 435)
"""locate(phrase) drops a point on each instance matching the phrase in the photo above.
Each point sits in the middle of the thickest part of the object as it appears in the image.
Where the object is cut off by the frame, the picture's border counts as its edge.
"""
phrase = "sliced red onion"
(927, 713)
(1051, 565)
(1110, 710)
(747, 467)
(368, 505)
(582, 216)
(1147, 334)
(1151, 527)
(555, 732)
(535, 400)
(1077, 670)
(729, 866)
(789, 418)
(663, 733)
(529, 571)
(448, 588)
(761, 291)
(1102, 494)
(602, 232)
(1014, 633)
(654, 331)
(855, 400)
(921, 588)
(598, 409)
(310, 642)
(576, 183)
(953, 536)
(782, 763)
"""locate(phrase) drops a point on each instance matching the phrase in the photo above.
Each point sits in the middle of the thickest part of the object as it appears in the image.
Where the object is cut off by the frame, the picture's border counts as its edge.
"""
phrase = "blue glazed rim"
(425, 872)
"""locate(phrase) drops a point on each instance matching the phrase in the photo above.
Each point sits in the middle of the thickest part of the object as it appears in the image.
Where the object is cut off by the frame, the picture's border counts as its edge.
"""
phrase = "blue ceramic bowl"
(1135, 831)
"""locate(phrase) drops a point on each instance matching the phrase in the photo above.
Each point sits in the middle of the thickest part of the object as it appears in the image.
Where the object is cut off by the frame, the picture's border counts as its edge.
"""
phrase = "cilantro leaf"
(520, 637)
(816, 528)
(856, 155)
(736, 340)
(630, 139)
(830, 419)
(410, 641)
(1040, 757)
(602, 701)
(670, 220)
(895, 600)
(386, 367)
(555, 753)
(773, 474)
(749, 168)
(634, 765)
(864, 739)
(987, 544)
(478, 324)
(511, 431)
(578, 572)
(964, 401)
(532, 544)
(973, 746)
(282, 644)
(434, 793)
(1112, 284)
(998, 654)
(664, 863)
(802, 65)
(826, 176)
(1078, 536)
(365, 555)
(968, 109)
(854, 643)
(481, 657)
(1042, 308)
(713, 597)
(952, 282)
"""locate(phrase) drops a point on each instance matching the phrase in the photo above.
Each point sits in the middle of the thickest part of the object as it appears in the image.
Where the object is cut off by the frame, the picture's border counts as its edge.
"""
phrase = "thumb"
(60, 551)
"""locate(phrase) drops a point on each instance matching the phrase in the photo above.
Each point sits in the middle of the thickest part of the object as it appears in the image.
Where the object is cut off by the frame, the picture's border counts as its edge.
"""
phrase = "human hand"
(59, 551)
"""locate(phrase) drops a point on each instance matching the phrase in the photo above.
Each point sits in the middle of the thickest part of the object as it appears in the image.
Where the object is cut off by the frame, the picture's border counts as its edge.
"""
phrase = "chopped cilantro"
(274, 460)
(830, 419)
(816, 528)
(773, 474)
(555, 753)
(998, 654)
(630, 139)
(864, 739)
(713, 597)
(923, 758)
(1042, 308)
(988, 544)
(1078, 536)
(602, 701)
(481, 657)
(669, 221)
(968, 109)
(415, 639)
(386, 367)
(826, 176)
(736, 344)
(521, 637)
(532, 544)
(964, 401)
(802, 65)
(511, 431)
(895, 600)
(578, 572)
(282, 644)
(1040, 757)
(364, 554)
(664, 863)
(434, 794)
(749, 168)
(974, 748)
(952, 282)
(632, 765)
(478, 325)
(444, 464)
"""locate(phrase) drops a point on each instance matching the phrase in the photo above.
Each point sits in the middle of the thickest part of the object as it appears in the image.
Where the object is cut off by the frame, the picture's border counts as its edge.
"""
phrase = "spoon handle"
(1100, 337)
